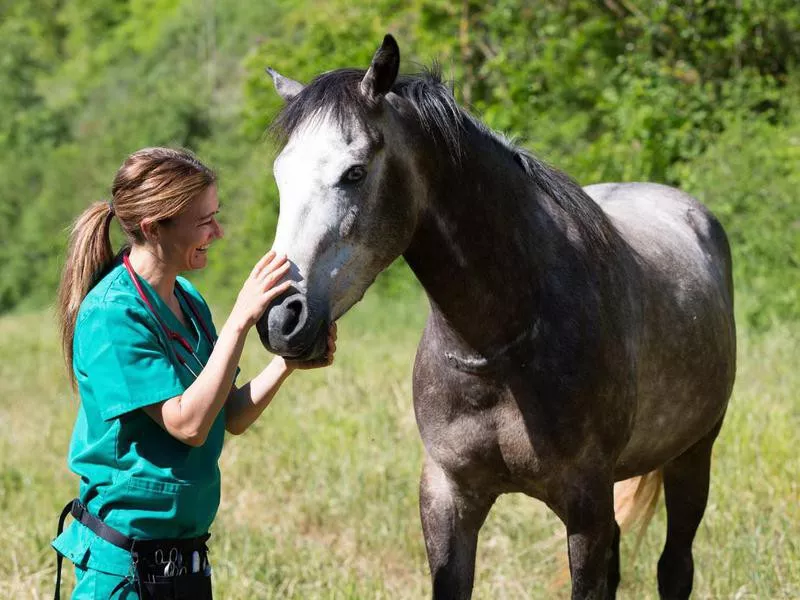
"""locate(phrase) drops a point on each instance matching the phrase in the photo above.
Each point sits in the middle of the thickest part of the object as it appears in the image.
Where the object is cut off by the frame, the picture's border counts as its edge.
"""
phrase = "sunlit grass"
(320, 498)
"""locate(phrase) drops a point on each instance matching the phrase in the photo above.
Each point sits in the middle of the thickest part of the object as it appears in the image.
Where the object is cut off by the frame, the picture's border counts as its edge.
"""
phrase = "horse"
(577, 337)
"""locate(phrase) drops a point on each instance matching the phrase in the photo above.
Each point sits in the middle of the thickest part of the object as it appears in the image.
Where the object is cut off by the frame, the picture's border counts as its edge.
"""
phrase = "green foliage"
(605, 90)
(749, 178)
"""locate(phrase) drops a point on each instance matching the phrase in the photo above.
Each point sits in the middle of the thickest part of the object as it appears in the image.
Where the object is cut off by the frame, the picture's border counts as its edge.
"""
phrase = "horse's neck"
(481, 248)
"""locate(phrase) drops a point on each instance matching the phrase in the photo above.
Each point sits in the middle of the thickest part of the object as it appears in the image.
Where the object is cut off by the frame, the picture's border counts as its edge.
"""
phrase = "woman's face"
(185, 239)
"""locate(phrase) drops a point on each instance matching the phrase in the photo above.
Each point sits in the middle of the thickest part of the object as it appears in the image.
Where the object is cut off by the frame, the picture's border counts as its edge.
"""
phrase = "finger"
(276, 263)
(322, 362)
(270, 274)
(326, 361)
(262, 262)
(272, 278)
(274, 292)
(266, 267)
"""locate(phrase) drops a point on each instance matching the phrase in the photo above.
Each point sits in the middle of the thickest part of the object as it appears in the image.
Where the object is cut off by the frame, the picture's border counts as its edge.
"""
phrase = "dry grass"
(320, 498)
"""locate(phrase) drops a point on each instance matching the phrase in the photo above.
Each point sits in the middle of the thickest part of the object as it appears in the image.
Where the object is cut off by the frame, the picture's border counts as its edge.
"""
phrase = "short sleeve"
(123, 361)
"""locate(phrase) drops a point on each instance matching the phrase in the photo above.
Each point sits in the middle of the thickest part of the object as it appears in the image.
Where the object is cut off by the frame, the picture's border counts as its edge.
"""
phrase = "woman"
(156, 381)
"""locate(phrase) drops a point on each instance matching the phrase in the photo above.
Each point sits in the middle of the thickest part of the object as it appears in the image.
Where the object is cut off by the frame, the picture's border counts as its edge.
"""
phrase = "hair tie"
(111, 207)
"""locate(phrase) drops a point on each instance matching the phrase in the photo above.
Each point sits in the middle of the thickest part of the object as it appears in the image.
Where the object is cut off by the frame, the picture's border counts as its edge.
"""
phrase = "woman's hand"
(260, 288)
(326, 360)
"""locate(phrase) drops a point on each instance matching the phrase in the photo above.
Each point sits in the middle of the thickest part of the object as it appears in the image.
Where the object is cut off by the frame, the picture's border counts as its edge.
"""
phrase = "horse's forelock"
(337, 94)
(334, 94)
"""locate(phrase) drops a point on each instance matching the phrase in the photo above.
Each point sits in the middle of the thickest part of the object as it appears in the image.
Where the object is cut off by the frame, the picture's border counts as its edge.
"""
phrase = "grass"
(320, 497)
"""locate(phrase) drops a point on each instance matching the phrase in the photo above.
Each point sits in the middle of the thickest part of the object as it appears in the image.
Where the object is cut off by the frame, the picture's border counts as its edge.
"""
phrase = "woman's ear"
(150, 230)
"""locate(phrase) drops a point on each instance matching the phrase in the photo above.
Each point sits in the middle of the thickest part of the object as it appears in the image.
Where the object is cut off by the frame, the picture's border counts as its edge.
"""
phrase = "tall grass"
(320, 497)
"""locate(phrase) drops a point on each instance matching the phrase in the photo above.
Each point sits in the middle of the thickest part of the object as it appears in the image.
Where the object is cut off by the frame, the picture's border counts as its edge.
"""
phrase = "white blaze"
(317, 214)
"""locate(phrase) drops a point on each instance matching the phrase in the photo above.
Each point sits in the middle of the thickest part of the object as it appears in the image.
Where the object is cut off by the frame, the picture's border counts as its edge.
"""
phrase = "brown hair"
(152, 184)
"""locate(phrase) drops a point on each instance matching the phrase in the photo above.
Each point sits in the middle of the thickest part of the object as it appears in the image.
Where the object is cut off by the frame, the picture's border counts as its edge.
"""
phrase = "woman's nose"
(220, 230)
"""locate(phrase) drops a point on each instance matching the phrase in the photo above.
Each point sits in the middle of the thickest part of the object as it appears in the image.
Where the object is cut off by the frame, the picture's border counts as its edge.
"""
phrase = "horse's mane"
(336, 94)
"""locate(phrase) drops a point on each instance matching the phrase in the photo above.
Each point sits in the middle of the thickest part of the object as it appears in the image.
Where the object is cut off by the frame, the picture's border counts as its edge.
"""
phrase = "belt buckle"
(77, 509)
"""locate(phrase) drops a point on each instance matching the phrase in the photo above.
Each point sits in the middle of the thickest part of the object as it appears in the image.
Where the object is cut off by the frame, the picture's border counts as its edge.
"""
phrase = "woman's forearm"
(193, 413)
(247, 403)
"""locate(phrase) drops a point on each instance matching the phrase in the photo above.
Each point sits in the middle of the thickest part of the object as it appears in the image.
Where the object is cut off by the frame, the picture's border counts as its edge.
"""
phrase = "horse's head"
(347, 207)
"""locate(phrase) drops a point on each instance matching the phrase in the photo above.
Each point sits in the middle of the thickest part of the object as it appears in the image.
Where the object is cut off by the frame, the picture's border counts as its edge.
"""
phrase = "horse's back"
(655, 217)
(686, 338)
(675, 237)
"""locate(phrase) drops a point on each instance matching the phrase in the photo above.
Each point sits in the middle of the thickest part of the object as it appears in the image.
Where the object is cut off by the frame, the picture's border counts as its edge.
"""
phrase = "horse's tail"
(635, 501)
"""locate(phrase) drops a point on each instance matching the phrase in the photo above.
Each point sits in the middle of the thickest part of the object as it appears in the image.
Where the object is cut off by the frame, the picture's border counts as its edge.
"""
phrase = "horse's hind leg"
(451, 519)
(686, 481)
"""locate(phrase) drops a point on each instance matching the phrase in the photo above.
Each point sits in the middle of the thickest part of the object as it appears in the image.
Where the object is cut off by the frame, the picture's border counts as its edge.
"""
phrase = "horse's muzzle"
(289, 328)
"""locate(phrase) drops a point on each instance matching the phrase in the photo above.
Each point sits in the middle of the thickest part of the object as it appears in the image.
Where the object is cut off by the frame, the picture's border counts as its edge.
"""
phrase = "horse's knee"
(447, 503)
(451, 519)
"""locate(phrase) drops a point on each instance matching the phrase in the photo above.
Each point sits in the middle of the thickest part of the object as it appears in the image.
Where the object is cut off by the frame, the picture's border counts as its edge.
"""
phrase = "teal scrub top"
(134, 475)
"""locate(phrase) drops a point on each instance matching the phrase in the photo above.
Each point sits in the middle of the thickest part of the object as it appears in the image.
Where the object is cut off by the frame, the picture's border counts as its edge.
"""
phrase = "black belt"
(82, 515)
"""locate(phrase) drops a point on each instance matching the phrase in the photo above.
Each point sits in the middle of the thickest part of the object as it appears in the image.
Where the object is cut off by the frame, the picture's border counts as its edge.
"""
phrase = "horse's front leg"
(588, 510)
(451, 519)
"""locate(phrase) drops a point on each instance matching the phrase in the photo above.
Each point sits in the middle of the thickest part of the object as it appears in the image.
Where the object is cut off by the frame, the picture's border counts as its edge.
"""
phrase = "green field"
(320, 497)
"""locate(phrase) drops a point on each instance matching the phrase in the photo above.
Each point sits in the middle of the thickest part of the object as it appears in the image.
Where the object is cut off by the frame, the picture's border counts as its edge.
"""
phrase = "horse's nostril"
(294, 310)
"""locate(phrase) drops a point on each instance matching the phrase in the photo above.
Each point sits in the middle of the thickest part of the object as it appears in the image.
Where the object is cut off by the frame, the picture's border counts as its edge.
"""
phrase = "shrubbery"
(699, 95)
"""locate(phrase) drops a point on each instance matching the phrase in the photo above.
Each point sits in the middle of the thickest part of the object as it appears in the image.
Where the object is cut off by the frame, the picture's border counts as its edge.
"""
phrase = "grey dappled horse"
(577, 337)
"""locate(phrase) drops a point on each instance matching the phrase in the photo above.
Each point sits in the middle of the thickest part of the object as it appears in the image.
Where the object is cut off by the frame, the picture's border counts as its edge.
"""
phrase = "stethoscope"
(171, 334)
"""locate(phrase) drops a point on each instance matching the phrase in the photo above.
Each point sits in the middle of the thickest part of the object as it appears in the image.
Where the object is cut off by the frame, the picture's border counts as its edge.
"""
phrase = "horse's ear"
(383, 70)
(286, 88)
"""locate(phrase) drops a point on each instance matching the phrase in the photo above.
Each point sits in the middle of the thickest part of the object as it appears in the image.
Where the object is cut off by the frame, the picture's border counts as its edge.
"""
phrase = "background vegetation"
(320, 500)
(700, 94)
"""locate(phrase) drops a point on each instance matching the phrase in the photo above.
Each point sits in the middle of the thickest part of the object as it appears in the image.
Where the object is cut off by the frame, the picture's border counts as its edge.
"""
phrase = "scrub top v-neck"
(134, 475)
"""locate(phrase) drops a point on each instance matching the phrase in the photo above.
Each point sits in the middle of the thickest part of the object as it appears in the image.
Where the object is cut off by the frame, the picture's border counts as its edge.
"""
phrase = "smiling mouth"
(203, 249)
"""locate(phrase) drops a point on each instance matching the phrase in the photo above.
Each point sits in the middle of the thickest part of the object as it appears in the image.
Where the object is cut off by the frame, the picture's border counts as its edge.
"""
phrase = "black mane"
(336, 94)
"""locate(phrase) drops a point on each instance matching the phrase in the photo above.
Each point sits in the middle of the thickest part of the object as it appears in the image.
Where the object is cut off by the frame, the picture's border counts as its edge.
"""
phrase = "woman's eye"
(353, 174)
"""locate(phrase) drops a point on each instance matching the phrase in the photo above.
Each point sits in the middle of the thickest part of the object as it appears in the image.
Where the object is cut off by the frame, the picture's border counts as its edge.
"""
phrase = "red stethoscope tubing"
(170, 333)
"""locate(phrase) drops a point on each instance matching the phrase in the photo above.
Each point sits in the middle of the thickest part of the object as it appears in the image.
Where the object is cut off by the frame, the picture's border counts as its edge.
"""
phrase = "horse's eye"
(353, 174)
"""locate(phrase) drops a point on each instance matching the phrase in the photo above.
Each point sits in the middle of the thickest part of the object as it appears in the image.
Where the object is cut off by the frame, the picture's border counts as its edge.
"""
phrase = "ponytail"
(89, 255)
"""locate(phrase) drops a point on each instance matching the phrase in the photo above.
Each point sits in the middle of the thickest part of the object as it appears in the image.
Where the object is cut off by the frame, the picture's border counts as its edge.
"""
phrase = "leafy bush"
(750, 178)
(605, 90)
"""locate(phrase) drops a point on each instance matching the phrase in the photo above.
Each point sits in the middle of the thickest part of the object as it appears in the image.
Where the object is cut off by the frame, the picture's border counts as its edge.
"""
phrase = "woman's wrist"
(236, 326)
(282, 367)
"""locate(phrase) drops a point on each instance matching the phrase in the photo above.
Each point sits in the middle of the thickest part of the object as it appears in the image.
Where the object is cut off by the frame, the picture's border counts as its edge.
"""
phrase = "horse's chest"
(476, 432)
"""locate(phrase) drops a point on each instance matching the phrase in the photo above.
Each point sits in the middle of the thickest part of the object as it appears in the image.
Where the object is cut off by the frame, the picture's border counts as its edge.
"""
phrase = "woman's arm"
(246, 404)
(189, 417)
